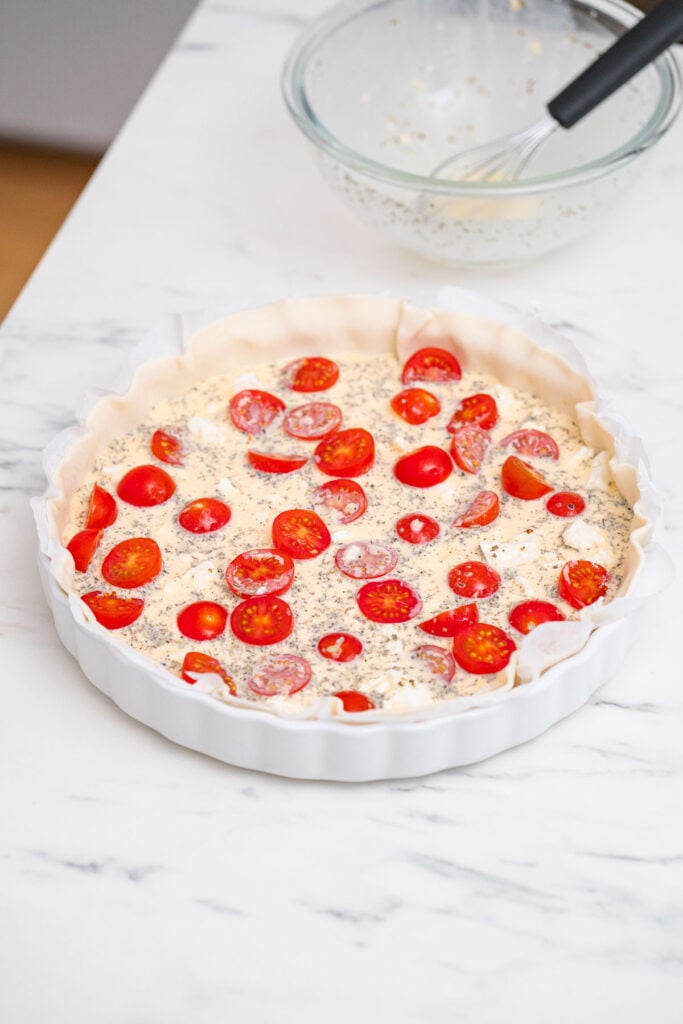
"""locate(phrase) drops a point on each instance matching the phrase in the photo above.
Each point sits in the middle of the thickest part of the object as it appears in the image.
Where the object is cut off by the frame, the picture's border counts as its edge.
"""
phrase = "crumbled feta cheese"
(411, 697)
(600, 476)
(508, 405)
(589, 540)
(226, 487)
(201, 576)
(342, 536)
(114, 473)
(520, 550)
(247, 380)
(205, 431)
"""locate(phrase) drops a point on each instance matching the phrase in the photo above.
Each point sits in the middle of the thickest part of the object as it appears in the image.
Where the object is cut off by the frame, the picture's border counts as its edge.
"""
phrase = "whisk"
(506, 158)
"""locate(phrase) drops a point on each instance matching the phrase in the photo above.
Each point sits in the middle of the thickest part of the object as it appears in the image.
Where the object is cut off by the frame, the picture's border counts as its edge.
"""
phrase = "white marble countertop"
(140, 882)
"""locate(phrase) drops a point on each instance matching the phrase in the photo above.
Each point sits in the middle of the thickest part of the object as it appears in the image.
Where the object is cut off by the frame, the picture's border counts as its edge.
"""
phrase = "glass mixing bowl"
(386, 90)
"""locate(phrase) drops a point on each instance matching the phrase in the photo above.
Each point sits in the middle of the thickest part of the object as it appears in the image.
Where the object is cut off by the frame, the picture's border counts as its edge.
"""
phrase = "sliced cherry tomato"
(480, 512)
(388, 601)
(418, 528)
(167, 448)
(436, 660)
(269, 462)
(145, 486)
(204, 515)
(526, 616)
(315, 373)
(425, 467)
(252, 410)
(346, 497)
(448, 623)
(566, 504)
(415, 405)
(479, 410)
(345, 453)
(353, 701)
(111, 611)
(300, 533)
(195, 664)
(132, 563)
(482, 649)
(340, 646)
(581, 583)
(83, 546)
(203, 620)
(280, 674)
(312, 421)
(532, 442)
(469, 446)
(431, 364)
(365, 559)
(260, 571)
(522, 481)
(473, 579)
(102, 510)
(262, 620)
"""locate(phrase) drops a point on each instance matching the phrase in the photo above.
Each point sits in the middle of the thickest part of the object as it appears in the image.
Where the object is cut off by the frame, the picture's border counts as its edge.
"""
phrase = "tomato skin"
(342, 647)
(415, 405)
(262, 620)
(82, 548)
(388, 601)
(132, 563)
(532, 442)
(468, 447)
(566, 504)
(204, 515)
(198, 663)
(300, 533)
(202, 620)
(102, 510)
(252, 411)
(521, 480)
(424, 467)
(353, 701)
(365, 560)
(418, 528)
(111, 611)
(482, 649)
(448, 623)
(479, 410)
(267, 462)
(473, 579)
(437, 660)
(346, 452)
(481, 511)
(314, 373)
(280, 674)
(431, 364)
(146, 486)
(526, 616)
(582, 583)
(260, 571)
(312, 421)
(347, 497)
(167, 448)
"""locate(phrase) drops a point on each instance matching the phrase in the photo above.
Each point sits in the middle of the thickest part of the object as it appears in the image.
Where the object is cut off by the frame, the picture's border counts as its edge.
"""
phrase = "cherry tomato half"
(312, 421)
(346, 497)
(315, 373)
(480, 512)
(196, 664)
(167, 448)
(269, 462)
(526, 616)
(581, 583)
(252, 410)
(473, 579)
(262, 620)
(431, 364)
(111, 611)
(522, 481)
(365, 559)
(437, 661)
(260, 571)
(388, 601)
(300, 533)
(102, 510)
(566, 504)
(482, 649)
(469, 446)
(415, 405)
(345, 453)
(418, 528)
(280, 674)
(132, 563)
(479, 410)
(203, 620)
(353, 701)
(532, 442)
(425, 467)
(204, 515)
(145, 486)
(340, 646)
(448, 623)
(83, 546)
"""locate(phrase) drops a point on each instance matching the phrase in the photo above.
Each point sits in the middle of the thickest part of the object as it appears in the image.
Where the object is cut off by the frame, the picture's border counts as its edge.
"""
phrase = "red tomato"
(346, 497)
(145, 486)
(167, 448)
(581, 583)
(204, 515)
(448, 623)
(345, 453)
(482, 649)
(83, 546)
(203, 620)
(388, 601)
(262, 620)
(340, 646)
(102, 510)
(469, 446)
(522, 481)
(480, 512)
(431, 364)
(566, 504)
(196, 664)
(132, 563)
(425, 467)
(280, 674)
(365, 559)
(526, 616)
(532, 442)
(312, 421)
(353, 701)
(415, 405)
(418, 528)
(473, 579)
(479, 410)
(252, 411)
(260, 571)
(315, 373)
(272, 463)
(436, 660)
(111, 611)
(300, 533)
